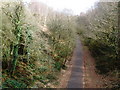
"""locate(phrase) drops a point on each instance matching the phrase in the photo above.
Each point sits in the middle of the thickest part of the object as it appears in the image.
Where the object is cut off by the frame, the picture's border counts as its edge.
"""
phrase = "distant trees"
(99, 28)
(62, 36)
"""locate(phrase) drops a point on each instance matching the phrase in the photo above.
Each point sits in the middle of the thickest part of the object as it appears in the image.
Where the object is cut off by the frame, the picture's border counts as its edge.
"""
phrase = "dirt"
(91, 79)
(73, 76)
(65, 75)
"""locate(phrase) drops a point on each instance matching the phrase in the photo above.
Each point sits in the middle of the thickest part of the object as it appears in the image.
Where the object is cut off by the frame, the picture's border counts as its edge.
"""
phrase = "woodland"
(37, 41)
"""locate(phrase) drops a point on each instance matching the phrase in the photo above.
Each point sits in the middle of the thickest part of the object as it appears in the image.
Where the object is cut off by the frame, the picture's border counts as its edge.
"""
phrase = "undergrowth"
(34, 50)
(99, 30)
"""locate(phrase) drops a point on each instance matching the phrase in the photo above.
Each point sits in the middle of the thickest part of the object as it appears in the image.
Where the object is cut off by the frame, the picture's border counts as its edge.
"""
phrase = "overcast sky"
(76, 6)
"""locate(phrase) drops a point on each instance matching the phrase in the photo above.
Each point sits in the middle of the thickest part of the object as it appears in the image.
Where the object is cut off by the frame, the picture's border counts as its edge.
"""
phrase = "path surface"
(76, 78)
(81, 71)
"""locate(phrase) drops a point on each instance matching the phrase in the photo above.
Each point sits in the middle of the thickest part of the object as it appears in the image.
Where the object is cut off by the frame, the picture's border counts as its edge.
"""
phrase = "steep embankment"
(34, 50)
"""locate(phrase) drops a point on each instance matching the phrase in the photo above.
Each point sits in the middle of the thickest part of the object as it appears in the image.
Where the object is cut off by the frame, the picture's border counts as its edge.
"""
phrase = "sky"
(77, 6)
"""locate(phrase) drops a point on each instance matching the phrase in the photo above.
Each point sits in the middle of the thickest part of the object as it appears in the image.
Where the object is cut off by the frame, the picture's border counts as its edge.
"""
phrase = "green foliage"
(34, 44)
(51, 77)
(99, 28)
(58, 66)
(102, 35)
(62, 37)
(43, 69)
(42, 79)
(13, 84)
(15, 18)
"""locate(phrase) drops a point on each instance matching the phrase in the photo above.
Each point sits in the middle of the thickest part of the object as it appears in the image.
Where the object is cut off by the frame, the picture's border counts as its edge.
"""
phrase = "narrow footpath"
(81, 71)
(76, 78)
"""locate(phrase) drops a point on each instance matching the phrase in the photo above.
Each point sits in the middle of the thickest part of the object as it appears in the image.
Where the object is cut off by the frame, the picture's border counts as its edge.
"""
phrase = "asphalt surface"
(76, 78)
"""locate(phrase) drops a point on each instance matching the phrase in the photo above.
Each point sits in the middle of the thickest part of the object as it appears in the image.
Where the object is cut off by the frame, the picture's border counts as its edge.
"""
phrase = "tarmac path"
(76, 78)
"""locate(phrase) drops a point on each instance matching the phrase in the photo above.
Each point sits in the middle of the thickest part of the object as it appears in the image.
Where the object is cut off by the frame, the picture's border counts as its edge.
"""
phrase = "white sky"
(76, 6)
